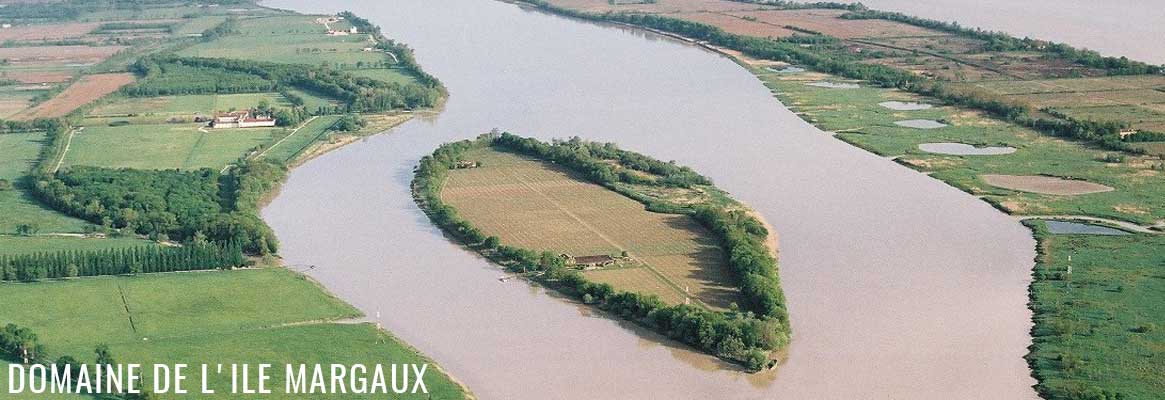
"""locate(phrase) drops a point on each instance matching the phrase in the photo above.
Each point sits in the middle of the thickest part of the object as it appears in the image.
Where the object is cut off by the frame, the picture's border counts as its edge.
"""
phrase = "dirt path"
(68, 142)
(293, 132)
(610, 241)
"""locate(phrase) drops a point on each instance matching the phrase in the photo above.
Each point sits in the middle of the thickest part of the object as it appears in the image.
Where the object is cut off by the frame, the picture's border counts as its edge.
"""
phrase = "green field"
(163, 146)
(1101, 327)
(204, 104)
(17, 207)
(383, 74)
(10, 245)
(854, 113)
(263, 315)
(299, 39)
(533, 205)
(294, 144)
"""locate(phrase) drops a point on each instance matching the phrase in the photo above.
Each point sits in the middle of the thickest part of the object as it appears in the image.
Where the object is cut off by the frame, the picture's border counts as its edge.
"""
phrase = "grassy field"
(189, 105)
(294, 144)
(290, 39)
(1102, 326)
(10, 245)
(269, 315)
(1139, 194)
(163, 146)
(531, 204)
(17, 207)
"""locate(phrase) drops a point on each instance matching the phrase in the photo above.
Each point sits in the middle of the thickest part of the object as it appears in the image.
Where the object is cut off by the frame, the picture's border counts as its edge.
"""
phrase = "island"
(641, 239)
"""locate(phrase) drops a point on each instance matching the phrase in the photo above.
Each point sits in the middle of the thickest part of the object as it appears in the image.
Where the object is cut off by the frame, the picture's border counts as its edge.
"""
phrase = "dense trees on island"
(746, 336)
(170, 204)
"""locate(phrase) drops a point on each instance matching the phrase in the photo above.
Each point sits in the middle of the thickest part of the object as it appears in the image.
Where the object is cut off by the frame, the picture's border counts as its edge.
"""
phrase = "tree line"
(134, 260)
(745, 336)
(172, 74)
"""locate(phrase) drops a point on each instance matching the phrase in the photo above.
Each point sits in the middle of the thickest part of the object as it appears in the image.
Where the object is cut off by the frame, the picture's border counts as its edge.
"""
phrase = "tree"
(27, 229)
(104, 357)
(491, 242)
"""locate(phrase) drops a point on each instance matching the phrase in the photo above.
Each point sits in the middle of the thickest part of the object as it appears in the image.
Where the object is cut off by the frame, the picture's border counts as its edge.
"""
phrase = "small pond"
(1076, 228)
(920, 124)
(963, 149)
(904, 106)
(786, 70)
(834, 85)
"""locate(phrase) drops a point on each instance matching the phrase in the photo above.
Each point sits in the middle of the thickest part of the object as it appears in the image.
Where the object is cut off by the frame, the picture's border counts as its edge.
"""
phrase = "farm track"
(606, 238)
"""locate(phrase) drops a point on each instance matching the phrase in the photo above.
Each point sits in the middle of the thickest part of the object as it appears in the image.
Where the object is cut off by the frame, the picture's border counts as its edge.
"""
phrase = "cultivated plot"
(532, 204)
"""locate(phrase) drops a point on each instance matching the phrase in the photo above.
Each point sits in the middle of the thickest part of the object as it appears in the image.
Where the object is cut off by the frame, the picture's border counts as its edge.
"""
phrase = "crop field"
(1102, 324)
(17, 207)
(84, 91)
(658, 6)
(56, 55)
(163, 146)
(1139, 189)
(827, 22)
(10, 245)
(531, 204)
(737, 25)
(184, 317)
(291, 39)
(46, 32)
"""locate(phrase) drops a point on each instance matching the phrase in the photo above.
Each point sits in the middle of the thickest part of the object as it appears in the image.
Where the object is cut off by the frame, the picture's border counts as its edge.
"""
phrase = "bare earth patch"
(85, 90)
(47, 31)
(35, 77)
(1044, 184)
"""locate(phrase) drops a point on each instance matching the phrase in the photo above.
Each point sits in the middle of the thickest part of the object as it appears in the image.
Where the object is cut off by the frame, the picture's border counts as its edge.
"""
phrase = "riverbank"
(626, 275)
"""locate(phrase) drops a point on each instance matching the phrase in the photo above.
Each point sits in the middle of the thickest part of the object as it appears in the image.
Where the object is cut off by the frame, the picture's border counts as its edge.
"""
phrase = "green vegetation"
(746, 336)
(20, 209)
(1099, 330)
(164, 146)
(268, 315)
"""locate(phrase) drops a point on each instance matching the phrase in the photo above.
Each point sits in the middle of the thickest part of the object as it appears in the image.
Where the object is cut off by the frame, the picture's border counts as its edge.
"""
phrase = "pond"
(920, 124)
(963, 149)
(905, 106)
(1077, 228)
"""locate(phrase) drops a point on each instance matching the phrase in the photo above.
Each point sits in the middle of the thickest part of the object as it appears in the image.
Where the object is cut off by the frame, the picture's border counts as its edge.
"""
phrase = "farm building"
(589, 261)
(1127, 132)
(466, 164)
(241, 119)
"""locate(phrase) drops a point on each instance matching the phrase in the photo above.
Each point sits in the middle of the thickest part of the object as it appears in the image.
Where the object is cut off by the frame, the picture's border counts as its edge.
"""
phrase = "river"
(898, 285)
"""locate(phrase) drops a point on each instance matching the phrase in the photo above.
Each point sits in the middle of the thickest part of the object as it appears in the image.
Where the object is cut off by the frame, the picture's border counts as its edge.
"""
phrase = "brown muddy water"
(899, 286)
